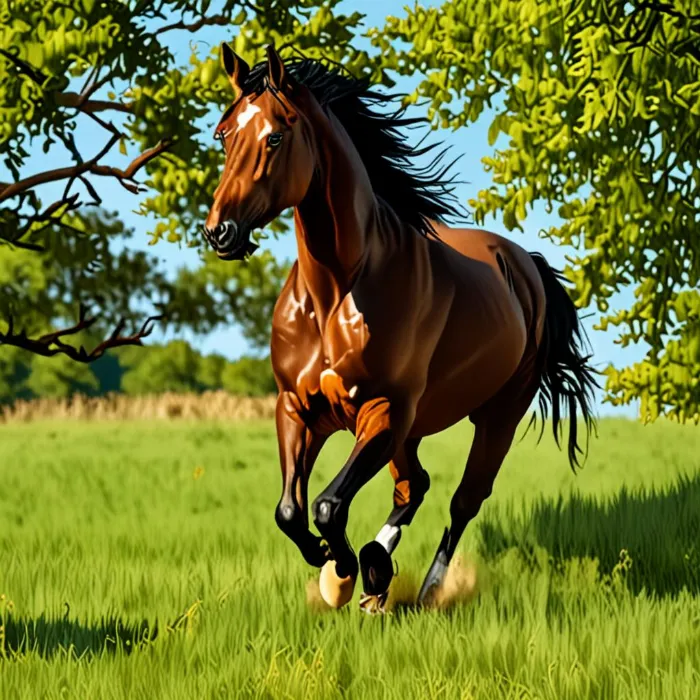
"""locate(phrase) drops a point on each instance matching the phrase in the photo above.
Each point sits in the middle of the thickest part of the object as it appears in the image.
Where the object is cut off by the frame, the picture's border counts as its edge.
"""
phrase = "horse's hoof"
(374, 604)
(334, 590)
(429, 597)
(377, 569)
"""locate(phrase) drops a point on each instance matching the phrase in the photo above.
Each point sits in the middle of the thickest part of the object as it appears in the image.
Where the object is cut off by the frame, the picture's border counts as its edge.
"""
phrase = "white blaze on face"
(267, 129)
(246, 115)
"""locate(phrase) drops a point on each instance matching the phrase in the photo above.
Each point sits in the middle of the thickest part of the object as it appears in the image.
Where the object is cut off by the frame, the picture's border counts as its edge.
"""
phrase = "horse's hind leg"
(411, 484)
(495, 426)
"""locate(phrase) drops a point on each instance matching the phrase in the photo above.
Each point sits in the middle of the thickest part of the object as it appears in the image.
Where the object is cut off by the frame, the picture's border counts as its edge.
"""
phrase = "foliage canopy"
(597, 106)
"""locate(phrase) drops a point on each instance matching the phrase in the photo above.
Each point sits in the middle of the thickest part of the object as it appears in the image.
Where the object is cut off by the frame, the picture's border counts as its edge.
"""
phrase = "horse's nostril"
(228, 227)
(229, 239)
(224, 234)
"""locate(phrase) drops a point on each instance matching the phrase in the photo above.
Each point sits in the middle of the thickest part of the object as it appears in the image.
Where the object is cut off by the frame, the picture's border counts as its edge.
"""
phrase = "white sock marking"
(389, 537)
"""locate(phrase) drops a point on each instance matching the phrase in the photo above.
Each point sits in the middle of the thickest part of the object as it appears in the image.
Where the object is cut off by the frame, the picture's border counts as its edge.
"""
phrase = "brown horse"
(391, 324)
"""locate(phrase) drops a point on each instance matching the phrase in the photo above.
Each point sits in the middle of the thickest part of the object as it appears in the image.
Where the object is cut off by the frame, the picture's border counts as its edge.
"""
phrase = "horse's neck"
(336, 224)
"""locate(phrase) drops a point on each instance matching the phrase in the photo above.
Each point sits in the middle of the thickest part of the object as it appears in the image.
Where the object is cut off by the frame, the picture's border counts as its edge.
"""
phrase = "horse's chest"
(345, 334)
(323, 359)
(343, 340)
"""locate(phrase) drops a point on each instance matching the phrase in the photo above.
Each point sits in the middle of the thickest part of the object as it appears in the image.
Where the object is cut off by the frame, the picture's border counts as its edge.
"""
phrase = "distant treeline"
(154, 369)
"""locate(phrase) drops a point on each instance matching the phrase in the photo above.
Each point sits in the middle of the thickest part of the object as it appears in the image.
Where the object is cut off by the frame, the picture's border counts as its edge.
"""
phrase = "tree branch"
(135, 165)
(204, 21)
(90, 166)
(52, 344)
(93, 75)
(80, 101)
(53, 175)
(69, 143)
(73, 99)
(36, 75)
(105, 125)
(47, 218)
(97, 200)
(34, 247)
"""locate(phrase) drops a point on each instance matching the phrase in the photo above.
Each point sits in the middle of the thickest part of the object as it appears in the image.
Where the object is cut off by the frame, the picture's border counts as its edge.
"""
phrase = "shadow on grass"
(659, 528)
(48, 636)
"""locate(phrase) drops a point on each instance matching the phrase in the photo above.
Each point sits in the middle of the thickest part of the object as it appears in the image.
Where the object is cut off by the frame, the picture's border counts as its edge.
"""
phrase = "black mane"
(416, 195)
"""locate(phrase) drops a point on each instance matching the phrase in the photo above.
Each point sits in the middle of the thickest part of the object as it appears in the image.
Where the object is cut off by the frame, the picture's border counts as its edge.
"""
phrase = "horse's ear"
(236, 68)
(277, 73)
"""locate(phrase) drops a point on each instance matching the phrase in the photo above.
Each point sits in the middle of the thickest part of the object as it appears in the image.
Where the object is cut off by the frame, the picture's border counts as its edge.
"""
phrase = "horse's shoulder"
(295, 344)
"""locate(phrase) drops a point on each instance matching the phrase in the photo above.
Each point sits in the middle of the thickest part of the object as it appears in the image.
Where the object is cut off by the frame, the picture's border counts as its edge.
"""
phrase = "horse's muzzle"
(230, 241)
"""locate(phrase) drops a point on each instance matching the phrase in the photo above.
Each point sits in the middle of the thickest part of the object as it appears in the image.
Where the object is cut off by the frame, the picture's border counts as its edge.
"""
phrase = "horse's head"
(269, 156)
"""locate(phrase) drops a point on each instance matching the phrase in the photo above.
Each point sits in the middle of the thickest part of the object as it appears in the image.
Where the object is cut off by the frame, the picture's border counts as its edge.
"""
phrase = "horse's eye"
(274, 139)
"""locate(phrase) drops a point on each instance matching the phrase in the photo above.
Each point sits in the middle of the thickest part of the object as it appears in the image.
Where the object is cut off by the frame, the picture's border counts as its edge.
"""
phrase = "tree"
(600, 103)
(13, 373)
(224, 293)
(110, 64)
(172, 367)
(41, 284)
(249, 376)
(178, 367)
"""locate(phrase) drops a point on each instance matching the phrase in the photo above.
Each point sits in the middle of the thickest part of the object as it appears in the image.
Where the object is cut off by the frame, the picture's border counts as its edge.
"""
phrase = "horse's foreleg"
(299, 447)
(411, 483)
(380, 428)
(493, 437)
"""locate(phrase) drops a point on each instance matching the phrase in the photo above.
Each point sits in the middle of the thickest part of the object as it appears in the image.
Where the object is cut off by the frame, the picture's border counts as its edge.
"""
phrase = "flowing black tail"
(567, 378)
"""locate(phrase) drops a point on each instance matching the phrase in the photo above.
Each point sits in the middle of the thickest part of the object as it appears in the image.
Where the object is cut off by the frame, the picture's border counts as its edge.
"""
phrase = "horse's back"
(515, 265)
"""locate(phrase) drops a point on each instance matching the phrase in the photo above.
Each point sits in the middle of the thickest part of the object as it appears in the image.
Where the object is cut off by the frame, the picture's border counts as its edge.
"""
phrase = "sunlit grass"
(141, 560)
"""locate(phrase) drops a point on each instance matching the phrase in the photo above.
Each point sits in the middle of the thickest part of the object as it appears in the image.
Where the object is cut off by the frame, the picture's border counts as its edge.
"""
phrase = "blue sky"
(470, 143)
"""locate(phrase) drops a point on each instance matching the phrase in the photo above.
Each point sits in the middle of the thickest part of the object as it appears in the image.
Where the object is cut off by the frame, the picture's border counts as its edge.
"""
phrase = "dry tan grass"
(211, 405)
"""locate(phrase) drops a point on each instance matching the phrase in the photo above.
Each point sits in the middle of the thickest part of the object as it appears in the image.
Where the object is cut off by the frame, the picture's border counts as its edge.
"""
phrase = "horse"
(391, 324)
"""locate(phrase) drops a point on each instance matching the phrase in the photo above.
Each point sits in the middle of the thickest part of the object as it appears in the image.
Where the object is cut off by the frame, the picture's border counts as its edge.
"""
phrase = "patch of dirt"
(460, 586)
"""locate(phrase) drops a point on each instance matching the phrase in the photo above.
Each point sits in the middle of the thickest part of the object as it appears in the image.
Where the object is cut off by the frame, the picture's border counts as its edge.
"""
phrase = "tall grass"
(141, 560)
(210, 405)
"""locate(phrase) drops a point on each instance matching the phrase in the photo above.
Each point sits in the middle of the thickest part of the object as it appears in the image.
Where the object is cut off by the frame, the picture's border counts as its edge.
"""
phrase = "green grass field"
(143, 561)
